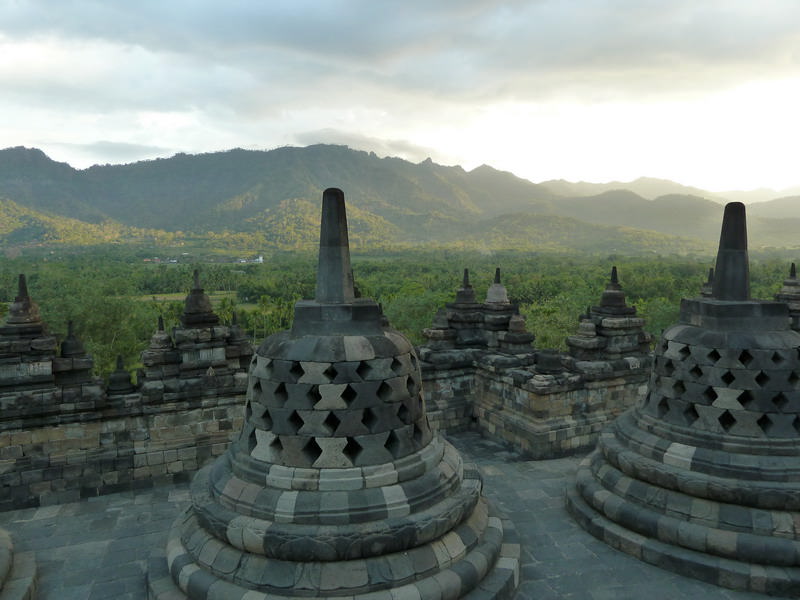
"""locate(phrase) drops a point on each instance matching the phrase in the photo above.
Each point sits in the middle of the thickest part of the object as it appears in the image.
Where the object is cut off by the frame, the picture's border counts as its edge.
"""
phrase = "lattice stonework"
(734, 391)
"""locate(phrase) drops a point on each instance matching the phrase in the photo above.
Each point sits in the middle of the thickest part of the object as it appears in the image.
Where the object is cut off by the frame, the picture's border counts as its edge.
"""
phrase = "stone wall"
(129, 446)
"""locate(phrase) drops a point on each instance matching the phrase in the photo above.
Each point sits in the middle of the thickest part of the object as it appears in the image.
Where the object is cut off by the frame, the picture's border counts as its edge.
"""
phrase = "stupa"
(702, 476)
(336, 487)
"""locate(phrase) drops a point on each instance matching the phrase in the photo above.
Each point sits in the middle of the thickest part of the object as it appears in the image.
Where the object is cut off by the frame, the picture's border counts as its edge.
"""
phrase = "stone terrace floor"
(97, 548)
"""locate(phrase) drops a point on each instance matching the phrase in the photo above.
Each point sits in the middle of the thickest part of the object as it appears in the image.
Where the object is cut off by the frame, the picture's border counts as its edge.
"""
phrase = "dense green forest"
(115, 298)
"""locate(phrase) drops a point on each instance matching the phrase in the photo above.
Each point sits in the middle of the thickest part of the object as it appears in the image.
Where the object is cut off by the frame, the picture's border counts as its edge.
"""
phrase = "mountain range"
(270, 199)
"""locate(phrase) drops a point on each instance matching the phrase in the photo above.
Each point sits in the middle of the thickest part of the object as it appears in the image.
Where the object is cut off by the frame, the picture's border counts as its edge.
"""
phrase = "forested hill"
(271, 198)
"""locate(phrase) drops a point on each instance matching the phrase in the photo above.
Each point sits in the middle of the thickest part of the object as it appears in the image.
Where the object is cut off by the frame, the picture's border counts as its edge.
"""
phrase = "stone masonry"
(336, 485)
(480, 370)
(701, 476)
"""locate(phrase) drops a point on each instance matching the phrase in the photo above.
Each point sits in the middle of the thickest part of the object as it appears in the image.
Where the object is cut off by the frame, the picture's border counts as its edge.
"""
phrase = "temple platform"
(98, 548)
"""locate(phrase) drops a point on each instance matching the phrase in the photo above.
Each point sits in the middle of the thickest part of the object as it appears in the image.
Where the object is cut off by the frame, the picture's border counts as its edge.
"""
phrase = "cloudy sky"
(703, 92)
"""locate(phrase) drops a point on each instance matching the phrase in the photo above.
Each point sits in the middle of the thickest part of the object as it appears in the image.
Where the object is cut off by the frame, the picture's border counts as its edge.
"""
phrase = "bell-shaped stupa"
(336, 487)
(702, 476)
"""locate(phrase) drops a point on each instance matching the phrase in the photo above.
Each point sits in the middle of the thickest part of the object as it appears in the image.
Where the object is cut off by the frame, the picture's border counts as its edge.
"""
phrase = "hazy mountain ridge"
(271, 195)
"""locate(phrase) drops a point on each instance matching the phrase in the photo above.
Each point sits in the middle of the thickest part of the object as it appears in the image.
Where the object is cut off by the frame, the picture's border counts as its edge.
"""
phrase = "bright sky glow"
(703, 93)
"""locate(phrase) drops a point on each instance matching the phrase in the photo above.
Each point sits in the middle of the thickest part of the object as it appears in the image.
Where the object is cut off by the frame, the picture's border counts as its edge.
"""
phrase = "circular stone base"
(471, 577)
(725, 572)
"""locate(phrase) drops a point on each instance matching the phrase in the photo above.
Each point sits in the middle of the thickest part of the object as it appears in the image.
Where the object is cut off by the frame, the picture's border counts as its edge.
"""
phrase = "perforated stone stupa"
(336, 487)
(702, 476)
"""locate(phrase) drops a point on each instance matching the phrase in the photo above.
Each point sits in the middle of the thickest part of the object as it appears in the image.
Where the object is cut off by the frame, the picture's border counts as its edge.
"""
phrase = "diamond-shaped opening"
(745, 398)
(663, 407)
(352, 449)
(392, 443)
(780, 401)
(296, 371)
(777, 357)
(280, 394)
(349, 395)
(762, 378)
(413, 362)
(266, 419)
(276, 444)
(417, 435)
(690, 414)
(330, 373)
(710, 394)
(257, 388)
(678, 387)
(363, 370)
(793, 379)
(252, 441)
(312, 451)
(248, 411)
(685, 352)
(385, 392)
(296, 421)
(765, 423)
(369, 419)
(745, 357)
(669, 367)
(404, 414)
(332, 422)
(728, 377)
(397, 367)
(411, 385)
(727, 420)
(696, 372)
(664, 346)
(313, 394)
(714, 356)
(796, 424)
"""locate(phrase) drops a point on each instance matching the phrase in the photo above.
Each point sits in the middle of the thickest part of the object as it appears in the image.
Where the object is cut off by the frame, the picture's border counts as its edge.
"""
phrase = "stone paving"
(96, 549)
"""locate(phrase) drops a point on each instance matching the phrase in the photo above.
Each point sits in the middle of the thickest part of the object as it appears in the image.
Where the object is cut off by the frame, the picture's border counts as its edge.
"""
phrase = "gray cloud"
(461, 50)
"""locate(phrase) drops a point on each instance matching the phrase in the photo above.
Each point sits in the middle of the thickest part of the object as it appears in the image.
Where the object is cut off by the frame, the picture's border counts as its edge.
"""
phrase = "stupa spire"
(465, 282)
(793, 272)
(334, 273)
(497, 275)
(732, 272)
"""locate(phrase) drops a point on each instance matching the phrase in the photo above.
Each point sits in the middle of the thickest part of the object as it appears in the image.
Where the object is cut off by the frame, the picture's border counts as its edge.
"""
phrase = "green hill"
(270, 199)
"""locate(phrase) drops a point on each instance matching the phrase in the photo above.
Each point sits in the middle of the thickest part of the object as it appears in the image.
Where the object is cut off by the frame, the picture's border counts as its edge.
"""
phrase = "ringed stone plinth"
(336, 486)
(703, 476)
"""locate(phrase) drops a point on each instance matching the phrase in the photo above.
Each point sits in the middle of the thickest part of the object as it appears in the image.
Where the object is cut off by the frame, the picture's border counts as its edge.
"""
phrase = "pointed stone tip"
(711, 275)
(120, 364)
(614, 276)
(70, 328)
(334, 273)
(497, 275)
(160, 323)
(793, 272)
(732, 270)
(465, 282)
(22, 286)
(196, 279)
(734, 227)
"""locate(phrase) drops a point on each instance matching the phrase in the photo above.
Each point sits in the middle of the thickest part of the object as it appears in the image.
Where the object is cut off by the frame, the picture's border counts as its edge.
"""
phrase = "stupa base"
(724, 572)
(488, 571)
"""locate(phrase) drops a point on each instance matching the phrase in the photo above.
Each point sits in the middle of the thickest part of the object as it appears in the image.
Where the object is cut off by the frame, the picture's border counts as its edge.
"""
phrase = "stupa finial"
(160, 323)
(732, 272)
(793, 272)
(22, 287)
(614, 276)
(497, 275)
(465, 282)
(196, 280)
(334, 273)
